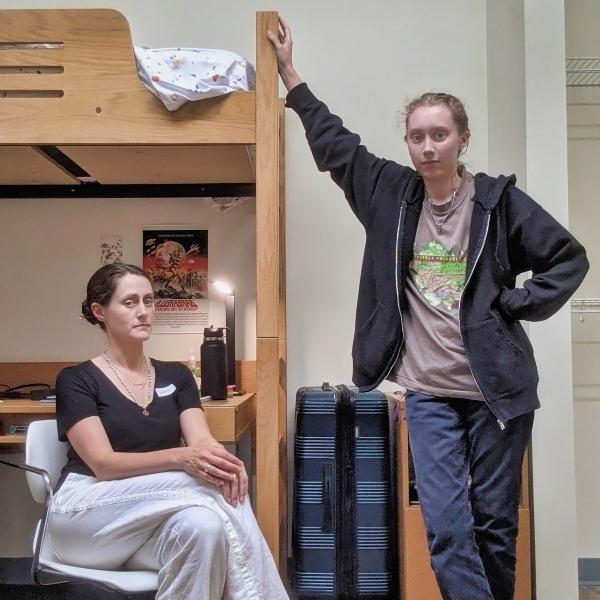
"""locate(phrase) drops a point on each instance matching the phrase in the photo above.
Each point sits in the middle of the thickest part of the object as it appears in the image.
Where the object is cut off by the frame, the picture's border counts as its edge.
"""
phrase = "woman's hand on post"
(282, 42)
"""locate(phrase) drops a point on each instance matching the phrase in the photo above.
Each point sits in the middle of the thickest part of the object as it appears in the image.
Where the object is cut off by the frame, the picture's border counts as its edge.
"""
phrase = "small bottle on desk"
(193, 366)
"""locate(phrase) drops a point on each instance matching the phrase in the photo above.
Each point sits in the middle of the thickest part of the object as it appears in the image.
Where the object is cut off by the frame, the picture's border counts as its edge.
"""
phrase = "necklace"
(144, 404)
(438, 224)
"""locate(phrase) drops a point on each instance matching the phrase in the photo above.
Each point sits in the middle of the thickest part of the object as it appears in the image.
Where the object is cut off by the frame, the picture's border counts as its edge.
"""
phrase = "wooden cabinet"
(417, 581)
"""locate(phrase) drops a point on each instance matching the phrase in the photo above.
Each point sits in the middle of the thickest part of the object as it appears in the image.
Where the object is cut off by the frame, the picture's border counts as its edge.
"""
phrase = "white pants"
(202, 547)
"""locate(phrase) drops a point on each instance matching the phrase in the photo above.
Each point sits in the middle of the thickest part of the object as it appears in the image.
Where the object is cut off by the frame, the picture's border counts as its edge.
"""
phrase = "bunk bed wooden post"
(271, 409)
(282, 359)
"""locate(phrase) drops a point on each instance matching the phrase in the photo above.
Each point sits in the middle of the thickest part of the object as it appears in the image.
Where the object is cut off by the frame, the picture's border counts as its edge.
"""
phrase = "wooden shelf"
(26, 407)
(11, 439)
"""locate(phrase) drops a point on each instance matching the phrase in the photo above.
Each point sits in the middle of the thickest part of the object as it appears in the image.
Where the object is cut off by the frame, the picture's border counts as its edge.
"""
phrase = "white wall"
(582, 17)
(553, 443)
(54, 245)
(526, 123)
(366, 60)
(506, 89)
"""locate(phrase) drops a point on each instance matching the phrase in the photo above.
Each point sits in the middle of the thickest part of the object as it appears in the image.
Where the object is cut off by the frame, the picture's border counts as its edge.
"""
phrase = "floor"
(15, 584)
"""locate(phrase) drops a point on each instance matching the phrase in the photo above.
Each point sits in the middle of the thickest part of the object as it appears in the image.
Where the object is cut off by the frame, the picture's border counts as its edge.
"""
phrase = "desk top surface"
(13, 405)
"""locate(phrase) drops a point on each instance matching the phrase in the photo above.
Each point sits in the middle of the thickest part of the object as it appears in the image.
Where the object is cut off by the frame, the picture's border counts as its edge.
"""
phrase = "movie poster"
(177, 261)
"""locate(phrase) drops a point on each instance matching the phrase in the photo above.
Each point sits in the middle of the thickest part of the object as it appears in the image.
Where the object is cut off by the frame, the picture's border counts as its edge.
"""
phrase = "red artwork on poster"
(177, 261)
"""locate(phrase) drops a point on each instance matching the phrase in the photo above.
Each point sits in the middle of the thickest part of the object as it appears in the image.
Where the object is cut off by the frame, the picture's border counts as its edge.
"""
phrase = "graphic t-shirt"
(433, 359)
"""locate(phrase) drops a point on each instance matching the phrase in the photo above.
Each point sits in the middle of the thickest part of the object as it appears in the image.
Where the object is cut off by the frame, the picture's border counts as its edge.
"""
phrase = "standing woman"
(438, 312)
(130, 493)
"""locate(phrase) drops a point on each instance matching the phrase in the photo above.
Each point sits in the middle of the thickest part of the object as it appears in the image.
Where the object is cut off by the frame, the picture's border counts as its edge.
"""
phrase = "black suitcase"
(344, 534)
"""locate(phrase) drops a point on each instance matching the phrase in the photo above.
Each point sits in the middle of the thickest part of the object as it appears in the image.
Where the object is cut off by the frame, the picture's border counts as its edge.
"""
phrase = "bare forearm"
(290, 77)
(118, 465)
(194, 427)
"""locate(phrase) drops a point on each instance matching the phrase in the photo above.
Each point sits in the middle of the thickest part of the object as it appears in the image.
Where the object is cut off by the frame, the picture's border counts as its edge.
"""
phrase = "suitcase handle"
(327, 498)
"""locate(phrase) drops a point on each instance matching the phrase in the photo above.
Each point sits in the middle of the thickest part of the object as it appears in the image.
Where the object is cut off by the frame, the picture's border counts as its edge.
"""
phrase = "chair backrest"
(44, 450)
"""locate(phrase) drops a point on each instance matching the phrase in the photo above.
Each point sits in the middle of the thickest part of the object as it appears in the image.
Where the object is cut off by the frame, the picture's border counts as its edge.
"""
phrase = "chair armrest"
(25, 467)
(41, 534)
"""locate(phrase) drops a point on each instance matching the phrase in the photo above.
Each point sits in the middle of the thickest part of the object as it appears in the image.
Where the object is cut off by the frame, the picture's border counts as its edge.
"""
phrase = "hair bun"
(87, 313)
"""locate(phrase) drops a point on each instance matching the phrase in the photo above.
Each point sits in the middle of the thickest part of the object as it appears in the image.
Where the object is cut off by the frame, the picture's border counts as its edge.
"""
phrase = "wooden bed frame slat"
(32, 82)
(23, 165)
(214, 163)
(135, 117)
(30, 58)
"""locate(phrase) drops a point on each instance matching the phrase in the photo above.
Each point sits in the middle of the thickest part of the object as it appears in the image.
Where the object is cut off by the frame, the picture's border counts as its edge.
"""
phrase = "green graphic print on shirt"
(439, 274)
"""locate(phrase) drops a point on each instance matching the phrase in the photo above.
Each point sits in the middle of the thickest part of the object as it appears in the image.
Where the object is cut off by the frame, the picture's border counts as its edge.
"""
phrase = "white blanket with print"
(176, 75)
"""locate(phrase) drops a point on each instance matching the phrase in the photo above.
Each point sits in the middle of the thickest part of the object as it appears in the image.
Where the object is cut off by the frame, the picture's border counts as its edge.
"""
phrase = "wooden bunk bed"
(76, 121)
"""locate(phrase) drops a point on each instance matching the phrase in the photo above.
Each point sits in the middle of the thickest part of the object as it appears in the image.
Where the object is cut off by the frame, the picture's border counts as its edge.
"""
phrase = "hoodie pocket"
(499, 360)
(374, 341)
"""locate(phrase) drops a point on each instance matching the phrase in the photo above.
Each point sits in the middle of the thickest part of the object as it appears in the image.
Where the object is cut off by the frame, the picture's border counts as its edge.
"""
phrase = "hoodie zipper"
(487, 227)
(397, 278)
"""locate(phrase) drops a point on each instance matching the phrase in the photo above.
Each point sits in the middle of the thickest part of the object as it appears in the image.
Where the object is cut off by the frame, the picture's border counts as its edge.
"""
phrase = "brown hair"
(101, 287)
(454, 105)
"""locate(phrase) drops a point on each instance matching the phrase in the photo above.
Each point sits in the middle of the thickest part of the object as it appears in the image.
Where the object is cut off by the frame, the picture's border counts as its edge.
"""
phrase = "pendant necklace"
(440, 223)
(144, 404)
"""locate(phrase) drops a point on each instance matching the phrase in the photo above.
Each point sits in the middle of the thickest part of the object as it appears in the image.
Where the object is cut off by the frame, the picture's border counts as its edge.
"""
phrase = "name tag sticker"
(165, 391)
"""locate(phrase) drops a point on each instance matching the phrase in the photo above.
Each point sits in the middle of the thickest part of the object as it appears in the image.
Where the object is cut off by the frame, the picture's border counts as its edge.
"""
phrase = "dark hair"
(101, 287)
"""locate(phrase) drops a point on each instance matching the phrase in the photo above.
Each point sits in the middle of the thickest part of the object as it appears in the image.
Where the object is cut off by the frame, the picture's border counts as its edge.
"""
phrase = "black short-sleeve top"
(85, 391)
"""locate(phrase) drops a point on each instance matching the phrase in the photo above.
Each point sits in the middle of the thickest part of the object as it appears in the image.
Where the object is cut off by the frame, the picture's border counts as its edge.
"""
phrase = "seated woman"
(130, 494)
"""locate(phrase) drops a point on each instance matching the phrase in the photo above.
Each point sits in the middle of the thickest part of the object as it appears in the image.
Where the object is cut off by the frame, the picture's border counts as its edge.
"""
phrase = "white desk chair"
(45, 456)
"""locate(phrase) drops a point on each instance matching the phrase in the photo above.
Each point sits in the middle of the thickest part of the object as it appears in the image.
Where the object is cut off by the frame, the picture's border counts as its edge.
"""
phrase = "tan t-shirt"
(433, 359)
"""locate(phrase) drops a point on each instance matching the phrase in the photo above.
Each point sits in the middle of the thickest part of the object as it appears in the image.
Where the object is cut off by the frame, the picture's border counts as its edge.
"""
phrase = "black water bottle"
(213, 364)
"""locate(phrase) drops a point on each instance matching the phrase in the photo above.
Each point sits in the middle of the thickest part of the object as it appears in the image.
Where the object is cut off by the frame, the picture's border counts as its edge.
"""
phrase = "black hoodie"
(510, 234)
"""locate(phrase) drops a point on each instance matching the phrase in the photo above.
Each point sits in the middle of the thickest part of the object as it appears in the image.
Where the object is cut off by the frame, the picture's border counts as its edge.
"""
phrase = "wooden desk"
(228, 419)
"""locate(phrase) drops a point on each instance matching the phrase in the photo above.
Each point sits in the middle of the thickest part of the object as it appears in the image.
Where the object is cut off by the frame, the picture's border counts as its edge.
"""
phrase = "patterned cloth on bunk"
(176, 75)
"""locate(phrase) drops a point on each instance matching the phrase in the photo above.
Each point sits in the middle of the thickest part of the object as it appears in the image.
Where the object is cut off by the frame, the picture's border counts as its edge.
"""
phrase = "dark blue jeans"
(471, 529)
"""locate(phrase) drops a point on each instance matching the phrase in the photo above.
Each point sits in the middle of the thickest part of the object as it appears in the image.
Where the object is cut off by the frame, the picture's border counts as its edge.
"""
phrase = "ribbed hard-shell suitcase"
(344, 536)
